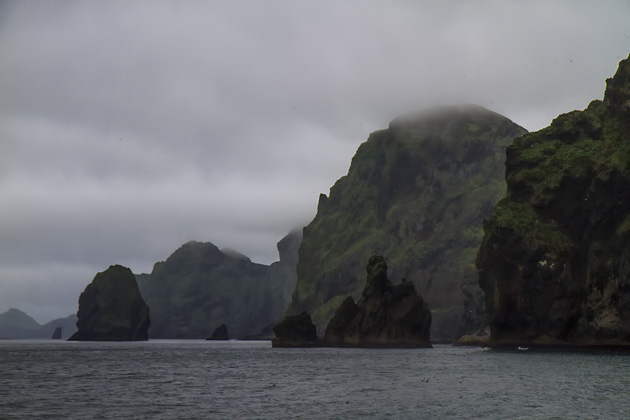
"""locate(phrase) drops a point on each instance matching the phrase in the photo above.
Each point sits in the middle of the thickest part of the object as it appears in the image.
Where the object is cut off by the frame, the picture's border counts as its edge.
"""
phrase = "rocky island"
(555, 259)
(112, 309)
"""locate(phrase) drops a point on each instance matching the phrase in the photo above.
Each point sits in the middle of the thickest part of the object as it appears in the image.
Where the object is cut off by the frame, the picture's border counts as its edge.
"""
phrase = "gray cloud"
(129, 128)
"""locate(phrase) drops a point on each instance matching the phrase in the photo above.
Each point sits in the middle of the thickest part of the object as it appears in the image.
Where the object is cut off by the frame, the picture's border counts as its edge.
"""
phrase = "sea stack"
(555, 260)
(220, 334)
(112, 309)
(57, 334)
(387, 315)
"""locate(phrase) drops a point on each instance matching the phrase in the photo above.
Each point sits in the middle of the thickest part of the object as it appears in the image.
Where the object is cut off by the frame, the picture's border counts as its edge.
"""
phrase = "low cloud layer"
(129, 128)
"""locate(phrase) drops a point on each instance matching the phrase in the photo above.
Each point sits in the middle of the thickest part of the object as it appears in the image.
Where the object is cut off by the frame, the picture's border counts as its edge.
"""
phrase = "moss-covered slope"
(199, 287)
(555, 259)
(416, 193)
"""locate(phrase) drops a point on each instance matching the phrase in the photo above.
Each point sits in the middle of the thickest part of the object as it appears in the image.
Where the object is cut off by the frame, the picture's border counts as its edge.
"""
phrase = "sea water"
(177, 379)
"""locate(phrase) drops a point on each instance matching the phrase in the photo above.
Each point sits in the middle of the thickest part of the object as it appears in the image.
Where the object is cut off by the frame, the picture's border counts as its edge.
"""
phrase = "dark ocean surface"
(177, 379)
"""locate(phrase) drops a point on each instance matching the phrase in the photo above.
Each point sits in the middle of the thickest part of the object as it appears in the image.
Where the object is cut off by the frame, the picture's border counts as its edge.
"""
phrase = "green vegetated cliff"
(416, 193)
(200, 287)
(555, 259)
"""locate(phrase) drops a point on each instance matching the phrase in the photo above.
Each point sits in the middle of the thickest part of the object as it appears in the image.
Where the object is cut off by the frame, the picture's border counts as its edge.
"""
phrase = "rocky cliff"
(416, 193)
(200, 286)
(555, 259)
(111, 308)
(387, 315)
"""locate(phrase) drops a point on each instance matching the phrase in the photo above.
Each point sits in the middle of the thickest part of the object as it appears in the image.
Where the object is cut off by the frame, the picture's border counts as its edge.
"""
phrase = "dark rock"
(387, 315)
(221, 333)
(112, 309)
(416, 193)
(68, 325)
(56, 334)
(554, 261)
(295, 331)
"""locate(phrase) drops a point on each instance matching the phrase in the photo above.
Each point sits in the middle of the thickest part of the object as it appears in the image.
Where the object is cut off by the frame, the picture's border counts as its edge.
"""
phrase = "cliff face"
(200, 286)
(555, 260)
(386, 315)
(111, 308)
(416, 193)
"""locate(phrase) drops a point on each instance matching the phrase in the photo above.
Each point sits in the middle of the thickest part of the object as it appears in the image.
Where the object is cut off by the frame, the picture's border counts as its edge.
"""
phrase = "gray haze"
(129, 128)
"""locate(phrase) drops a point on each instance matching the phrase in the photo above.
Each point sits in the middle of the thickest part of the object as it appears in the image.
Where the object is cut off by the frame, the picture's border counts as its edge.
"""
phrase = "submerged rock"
(387, 315)
(295, 331)
(112, 309)
(221, 333)
(555, 260)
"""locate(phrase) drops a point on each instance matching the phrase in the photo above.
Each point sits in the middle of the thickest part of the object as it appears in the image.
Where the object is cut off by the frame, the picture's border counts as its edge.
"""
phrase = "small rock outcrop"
(56, 334)
(387, 315)
(220, 334)
(295, 331)
(112, 309)
(555, 259)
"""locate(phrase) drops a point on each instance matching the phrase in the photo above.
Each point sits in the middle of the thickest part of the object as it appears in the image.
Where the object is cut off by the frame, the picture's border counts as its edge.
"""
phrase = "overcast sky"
(129, 128)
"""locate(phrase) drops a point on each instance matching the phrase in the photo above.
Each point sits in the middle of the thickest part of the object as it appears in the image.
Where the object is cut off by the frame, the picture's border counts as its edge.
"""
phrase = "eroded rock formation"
(387, 315)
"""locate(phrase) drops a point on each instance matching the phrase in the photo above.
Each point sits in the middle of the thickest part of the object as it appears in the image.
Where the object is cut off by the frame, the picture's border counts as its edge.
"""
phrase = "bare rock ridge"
(112, 309)
(554, 263)
(386, 316)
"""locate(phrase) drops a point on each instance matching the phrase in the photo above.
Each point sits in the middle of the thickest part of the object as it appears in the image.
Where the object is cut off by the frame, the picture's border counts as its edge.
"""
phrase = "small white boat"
(522, 348)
